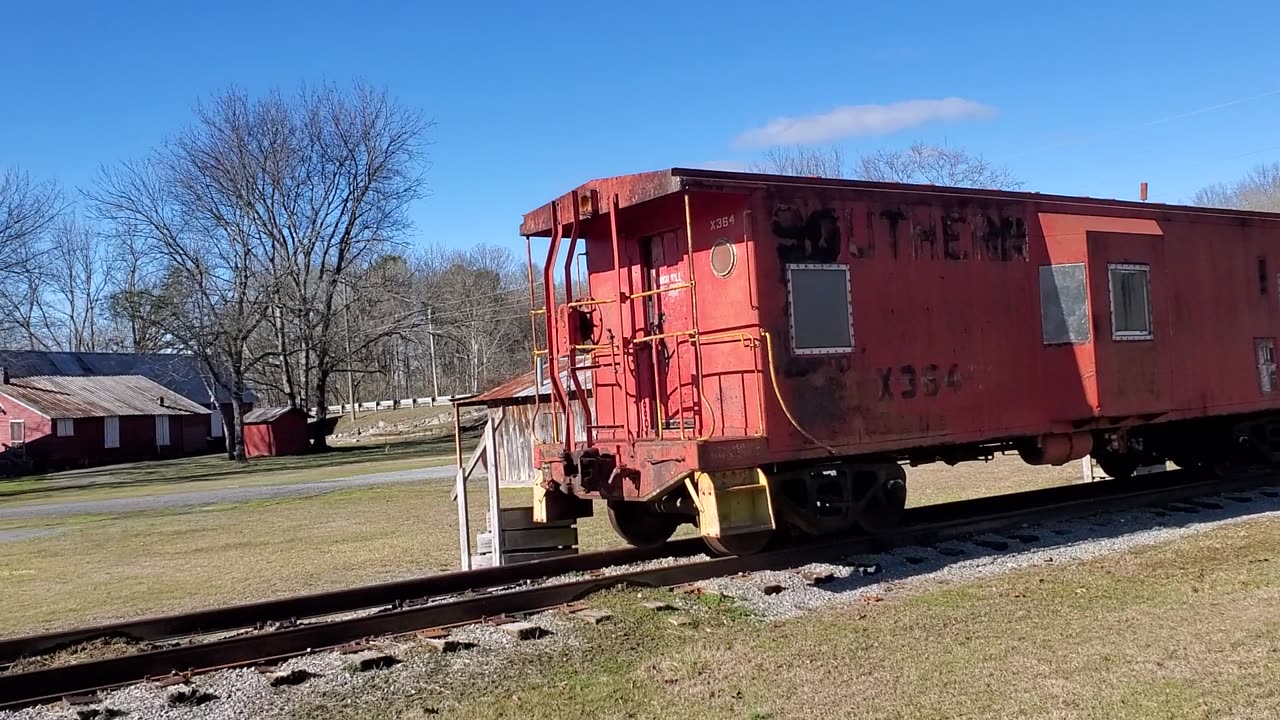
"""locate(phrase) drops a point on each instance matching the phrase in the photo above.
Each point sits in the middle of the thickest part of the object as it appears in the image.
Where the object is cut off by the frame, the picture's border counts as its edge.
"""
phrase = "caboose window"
(1130, 302)
(1064, 304)
(821, 309)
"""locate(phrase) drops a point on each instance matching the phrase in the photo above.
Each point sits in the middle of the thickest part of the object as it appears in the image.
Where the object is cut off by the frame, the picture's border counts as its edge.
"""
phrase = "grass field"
(209, 472)
(90, 569)
(1186, 629)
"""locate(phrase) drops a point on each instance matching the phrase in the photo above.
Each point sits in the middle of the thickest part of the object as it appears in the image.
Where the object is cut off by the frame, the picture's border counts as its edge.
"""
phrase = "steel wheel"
(640, 525)
(883, 504)
(748, 543)
(1118, 467)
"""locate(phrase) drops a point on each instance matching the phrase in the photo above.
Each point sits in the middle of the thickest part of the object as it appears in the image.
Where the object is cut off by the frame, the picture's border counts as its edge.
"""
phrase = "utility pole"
(431, 338)
(351, 383)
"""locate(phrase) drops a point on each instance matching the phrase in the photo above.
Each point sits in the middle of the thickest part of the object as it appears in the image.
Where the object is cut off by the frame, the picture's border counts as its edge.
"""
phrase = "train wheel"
(884, 501)
(1118, 466)
(748, 543)
(640, 525)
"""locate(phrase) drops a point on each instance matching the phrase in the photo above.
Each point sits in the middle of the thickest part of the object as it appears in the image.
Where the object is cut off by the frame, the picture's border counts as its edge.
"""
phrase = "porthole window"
(724, 257)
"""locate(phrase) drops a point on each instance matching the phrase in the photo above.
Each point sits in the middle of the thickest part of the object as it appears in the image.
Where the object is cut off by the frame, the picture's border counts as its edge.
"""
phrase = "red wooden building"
(55, 422)
(275, 431)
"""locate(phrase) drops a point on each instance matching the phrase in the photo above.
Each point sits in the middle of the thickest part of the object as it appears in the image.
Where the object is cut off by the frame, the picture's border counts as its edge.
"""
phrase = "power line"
(1148, 123)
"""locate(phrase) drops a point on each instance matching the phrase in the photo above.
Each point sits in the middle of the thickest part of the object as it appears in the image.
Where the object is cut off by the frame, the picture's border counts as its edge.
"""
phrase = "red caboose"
(767, 351)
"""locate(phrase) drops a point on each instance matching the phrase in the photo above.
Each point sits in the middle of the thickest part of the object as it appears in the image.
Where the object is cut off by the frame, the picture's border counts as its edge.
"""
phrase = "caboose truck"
(766, 352)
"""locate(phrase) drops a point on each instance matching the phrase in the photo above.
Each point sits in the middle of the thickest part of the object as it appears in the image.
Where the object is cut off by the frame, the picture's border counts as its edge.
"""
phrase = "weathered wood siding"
(515, 438)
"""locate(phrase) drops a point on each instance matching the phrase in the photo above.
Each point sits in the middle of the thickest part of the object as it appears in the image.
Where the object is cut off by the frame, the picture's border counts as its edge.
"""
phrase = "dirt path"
(219, 496)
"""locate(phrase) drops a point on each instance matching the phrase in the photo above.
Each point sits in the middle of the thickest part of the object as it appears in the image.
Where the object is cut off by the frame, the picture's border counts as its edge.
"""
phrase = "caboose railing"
(618, 348)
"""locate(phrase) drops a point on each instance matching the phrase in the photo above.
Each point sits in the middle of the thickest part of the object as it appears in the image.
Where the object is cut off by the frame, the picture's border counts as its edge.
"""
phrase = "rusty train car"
(767, 353)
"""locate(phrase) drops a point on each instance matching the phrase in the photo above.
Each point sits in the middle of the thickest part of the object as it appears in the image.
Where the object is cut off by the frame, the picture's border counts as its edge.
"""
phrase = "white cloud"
(857, 120)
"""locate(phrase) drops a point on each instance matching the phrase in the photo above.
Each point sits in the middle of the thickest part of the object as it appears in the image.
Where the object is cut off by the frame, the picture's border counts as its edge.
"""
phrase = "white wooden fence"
(379, 405)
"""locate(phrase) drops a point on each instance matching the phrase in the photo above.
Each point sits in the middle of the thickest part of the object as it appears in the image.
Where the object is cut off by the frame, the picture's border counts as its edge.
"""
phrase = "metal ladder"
(618, 348)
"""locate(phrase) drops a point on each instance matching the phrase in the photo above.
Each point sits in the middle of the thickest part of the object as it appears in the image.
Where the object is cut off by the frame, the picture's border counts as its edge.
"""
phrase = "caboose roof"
(642, 187)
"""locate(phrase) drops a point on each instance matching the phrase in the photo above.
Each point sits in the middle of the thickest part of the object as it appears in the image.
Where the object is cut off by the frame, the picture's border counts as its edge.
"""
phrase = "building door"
(162, 431)
(668, 314)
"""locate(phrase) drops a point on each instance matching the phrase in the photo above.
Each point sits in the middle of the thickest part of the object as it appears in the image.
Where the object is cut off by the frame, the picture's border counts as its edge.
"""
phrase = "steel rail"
(928, 525)
(300, 607)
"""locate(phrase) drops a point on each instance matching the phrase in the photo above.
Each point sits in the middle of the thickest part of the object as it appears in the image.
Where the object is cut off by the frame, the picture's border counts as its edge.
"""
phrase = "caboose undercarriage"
(740, 511)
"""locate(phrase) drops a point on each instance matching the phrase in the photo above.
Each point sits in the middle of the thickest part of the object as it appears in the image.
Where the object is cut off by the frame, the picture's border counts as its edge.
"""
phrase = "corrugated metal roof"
(180, 373)
(267, 414)
(521, 389)
(57, 396)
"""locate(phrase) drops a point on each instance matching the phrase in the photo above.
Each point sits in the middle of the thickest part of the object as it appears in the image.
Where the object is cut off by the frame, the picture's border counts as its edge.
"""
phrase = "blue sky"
(530, 99)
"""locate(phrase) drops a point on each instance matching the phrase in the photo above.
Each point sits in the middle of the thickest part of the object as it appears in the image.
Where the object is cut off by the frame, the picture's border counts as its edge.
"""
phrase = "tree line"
(269, 240)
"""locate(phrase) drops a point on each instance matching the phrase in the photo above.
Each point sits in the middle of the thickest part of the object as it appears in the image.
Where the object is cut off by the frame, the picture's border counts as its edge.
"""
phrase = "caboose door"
(667, 314)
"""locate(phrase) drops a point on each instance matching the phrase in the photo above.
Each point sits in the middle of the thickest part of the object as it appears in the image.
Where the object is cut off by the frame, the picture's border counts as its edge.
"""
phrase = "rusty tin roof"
(520, 389)
(87, 396)
(268, 414)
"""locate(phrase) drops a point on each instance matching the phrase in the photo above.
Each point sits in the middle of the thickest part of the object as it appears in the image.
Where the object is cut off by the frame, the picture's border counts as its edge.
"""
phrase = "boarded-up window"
(821, 309)
(162, 430)
(66, 427)
(215, 424)
(1064, 304)
(111, 432)
(17, 431)
(1130, 302)
(1265, 351)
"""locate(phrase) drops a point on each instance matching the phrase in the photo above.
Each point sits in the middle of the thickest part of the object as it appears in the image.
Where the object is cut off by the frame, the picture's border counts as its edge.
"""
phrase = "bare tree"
(827, 162)
(180, 204)
(76, 287)
(919, 163)
(28, 210)
(936, 165)
(266, 207)
(1257, 190)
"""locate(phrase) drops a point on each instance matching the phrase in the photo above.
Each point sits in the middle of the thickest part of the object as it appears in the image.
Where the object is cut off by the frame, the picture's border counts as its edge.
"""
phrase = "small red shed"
(275, 431)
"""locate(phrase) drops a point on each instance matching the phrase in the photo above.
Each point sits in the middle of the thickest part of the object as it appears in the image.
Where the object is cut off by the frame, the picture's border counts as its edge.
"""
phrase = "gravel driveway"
(220, 496)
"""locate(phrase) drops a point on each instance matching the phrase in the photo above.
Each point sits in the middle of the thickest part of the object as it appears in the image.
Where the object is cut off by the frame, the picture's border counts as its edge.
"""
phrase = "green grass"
(215, 471)
(1181, 630)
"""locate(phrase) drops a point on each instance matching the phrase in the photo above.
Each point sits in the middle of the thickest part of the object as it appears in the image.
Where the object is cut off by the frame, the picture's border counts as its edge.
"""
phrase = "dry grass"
(939, 483)
(1181, 630)
(97, 569)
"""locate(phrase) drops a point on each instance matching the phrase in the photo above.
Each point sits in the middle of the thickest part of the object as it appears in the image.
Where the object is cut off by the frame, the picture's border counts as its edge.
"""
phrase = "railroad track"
(460, 598)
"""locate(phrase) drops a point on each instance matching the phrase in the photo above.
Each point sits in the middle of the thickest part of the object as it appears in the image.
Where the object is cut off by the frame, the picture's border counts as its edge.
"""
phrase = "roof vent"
(160, 400)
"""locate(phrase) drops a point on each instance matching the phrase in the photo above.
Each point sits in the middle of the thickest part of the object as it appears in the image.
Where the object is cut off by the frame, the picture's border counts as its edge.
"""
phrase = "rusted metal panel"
(518, 390)
(630, 189)
(269, 414)
(97, 396)
(180, 373)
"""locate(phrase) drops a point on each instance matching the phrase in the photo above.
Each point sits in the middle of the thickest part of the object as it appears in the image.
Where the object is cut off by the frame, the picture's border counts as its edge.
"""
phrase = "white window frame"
(111, 432)
(1125, 335)
(64, 427)
(162, 431)
(19, 423)
(791, 309)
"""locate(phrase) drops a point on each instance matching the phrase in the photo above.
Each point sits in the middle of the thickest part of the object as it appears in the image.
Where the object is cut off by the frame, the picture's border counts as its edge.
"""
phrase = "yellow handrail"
(656, 291)
(773, 377)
